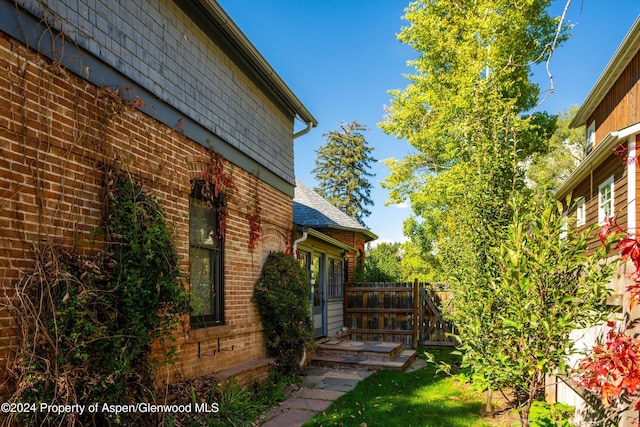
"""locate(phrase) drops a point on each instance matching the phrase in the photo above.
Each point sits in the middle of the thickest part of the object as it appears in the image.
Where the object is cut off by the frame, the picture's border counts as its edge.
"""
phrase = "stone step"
(399, 363)
(359, 350)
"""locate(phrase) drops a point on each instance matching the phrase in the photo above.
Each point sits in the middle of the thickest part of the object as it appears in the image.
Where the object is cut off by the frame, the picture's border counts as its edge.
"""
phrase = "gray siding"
(157, 46)
(335, 316)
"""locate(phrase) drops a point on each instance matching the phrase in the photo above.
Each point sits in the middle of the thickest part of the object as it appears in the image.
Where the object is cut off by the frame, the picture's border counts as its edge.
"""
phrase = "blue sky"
(340, 57)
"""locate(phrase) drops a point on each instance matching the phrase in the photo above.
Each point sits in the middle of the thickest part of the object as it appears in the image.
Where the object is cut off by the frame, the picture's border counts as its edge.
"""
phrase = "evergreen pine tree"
(343, 168)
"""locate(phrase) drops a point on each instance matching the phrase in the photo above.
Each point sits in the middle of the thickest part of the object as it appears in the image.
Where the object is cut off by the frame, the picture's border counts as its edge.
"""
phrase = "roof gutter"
(603, 150)
(303, 131)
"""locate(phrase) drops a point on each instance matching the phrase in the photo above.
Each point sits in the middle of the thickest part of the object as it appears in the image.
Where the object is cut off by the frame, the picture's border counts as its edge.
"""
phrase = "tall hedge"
(282, 296)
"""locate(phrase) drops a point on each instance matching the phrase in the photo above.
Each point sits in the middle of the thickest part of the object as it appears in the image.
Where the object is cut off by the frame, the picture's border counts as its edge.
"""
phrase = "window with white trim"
(581, 212)
(605, 200)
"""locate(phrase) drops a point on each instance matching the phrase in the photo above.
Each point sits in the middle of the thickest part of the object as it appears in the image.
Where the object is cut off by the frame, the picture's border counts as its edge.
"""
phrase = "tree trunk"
(523, 411)
(489, 407)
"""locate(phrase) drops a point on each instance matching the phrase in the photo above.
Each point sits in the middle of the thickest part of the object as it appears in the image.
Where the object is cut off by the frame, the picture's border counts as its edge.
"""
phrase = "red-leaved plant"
(612, 370)
(629, 247)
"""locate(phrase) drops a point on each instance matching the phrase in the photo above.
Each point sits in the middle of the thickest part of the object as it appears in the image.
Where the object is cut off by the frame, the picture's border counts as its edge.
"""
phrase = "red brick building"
(147, 86)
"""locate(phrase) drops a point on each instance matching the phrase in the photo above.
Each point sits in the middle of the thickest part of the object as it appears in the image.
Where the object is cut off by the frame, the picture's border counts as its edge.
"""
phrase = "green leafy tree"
(466, 111)
(566, 151)
(416, 264)
(382, 263)
(545, 286)
(343, 168)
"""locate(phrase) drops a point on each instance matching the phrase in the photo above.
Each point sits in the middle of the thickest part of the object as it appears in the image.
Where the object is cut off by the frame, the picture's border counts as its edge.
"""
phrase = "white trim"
(565, 225)
(598, 155)
(590, 138)
(602, 216)
(631, 186)
(581, 212)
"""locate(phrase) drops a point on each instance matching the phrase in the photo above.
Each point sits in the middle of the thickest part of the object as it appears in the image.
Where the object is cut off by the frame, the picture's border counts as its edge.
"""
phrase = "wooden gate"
(433, 329)
(398, 312)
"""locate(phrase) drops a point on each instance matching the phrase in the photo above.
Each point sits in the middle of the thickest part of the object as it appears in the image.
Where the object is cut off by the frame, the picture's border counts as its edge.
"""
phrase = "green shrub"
(236, 406)
(90, 322)
(544, 415)
(282, 297)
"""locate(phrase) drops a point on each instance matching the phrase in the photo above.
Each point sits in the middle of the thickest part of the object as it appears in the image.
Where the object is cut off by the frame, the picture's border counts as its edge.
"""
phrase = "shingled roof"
(312, 210)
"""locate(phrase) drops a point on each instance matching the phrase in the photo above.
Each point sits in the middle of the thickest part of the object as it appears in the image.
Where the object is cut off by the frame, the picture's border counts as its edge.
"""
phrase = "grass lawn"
(408, 399)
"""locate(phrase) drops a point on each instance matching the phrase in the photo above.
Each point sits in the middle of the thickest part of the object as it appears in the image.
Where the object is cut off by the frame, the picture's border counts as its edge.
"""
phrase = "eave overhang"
(621, 58)
(600, 153)
(368, 235)
(328, 239)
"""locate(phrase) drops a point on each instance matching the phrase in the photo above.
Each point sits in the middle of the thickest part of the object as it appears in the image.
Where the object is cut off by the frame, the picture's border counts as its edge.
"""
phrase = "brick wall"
(56, 130)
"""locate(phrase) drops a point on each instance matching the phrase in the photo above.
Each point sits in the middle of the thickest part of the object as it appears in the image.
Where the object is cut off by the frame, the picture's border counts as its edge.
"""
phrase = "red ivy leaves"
(215, 174)
(255, 228)
(613, 370)
(605, 232)
(629, 247)
(634, 294)
(623, 152)
(217, 186)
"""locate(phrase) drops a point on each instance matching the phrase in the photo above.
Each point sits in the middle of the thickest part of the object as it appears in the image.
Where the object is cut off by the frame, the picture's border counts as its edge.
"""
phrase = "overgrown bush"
(229, 404)
(88, 323)
(282, 294)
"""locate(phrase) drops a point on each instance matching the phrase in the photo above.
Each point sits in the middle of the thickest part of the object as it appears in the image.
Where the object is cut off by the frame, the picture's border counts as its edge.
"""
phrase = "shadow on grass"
(419, 399)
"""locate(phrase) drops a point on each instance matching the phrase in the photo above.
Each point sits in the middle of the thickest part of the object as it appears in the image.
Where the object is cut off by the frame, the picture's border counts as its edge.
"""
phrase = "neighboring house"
(330, 244)
(204, 85)
(605, 184)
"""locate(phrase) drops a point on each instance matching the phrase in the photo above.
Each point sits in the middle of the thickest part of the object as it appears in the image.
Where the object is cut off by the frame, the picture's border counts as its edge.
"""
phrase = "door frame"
(317, 282)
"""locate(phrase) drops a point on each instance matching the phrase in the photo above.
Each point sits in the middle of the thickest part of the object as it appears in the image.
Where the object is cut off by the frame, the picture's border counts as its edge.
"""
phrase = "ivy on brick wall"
(215, 186)
(88, 323)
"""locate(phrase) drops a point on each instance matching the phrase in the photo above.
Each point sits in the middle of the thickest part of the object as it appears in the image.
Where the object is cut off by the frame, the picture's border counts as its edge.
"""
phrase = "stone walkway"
(319, 388)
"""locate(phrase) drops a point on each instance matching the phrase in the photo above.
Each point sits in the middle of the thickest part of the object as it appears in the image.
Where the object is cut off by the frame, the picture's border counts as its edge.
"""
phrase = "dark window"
(205, 263)
(336, 278)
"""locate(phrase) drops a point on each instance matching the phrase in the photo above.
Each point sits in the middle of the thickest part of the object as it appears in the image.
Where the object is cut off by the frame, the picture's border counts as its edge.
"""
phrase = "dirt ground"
(503, 414)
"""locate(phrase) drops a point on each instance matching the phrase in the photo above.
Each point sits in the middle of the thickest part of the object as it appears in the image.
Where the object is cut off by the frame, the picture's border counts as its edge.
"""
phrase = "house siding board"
(588, 188)
(156, 45)
(619, 108)
(56, 126)
(335, 316)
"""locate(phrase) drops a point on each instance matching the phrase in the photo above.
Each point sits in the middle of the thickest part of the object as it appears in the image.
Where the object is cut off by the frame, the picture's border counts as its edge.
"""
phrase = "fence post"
(416, 317)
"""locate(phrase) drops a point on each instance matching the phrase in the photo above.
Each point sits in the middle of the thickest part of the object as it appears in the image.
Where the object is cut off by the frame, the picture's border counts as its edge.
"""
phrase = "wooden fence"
(398, 312)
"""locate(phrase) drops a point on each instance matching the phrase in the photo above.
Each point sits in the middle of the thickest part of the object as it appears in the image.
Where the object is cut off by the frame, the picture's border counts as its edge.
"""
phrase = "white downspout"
(631, 187)
(304, 233)
(300, 240)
